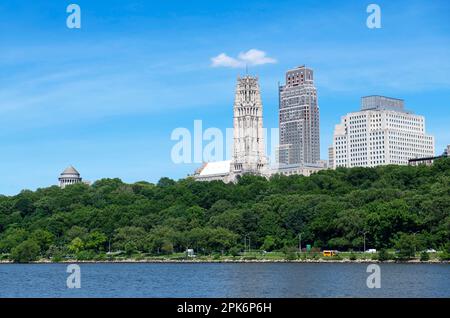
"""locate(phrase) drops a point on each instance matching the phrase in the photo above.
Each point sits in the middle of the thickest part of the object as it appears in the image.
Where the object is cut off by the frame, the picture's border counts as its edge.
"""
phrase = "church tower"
(248, 146)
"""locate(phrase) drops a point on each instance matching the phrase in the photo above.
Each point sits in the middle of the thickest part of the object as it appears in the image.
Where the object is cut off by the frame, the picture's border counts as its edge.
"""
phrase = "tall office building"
(381, 133)
(299, 119)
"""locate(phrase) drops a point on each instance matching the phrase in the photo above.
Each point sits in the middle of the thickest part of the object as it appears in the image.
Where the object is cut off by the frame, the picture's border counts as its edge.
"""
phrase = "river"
(225, 280)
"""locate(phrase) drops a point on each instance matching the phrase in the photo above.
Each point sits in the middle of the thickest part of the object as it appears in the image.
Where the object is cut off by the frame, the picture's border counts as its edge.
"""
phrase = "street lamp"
(300, 242)
(364, 234)
(415, 242)
(245, 242)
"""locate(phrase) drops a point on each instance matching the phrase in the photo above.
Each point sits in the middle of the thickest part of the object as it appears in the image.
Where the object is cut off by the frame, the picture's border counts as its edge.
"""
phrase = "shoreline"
(229, 261)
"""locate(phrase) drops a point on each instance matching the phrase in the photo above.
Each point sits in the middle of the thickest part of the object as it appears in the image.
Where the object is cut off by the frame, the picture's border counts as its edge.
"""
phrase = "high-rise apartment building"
(299, 119)
(381, 133)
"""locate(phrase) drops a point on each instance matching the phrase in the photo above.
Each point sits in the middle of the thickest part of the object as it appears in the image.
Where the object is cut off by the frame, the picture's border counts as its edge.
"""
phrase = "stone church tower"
(249, 155)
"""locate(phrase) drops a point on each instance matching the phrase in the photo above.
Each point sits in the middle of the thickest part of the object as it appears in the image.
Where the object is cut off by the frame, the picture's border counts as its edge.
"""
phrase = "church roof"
(214, 168)
(70, 170)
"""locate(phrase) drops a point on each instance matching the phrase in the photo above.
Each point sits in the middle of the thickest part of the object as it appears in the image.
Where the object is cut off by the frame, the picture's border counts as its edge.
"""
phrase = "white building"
(69, 176)
(210, 171)
(381, 133)
(305, 169)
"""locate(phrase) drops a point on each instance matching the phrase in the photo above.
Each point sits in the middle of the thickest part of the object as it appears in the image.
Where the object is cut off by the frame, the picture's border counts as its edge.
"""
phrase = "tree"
(383, 255)
(234, 251)
(24, 202)
(56, 253)
(195, 215)
(25, 252)
(220, 239)
(96, 241)
(43, 238)
(230, 219)
(290, 253)
(406, 246)
(11, 238)
(339, 243)
(76, 231)
(446, 252)
(269, 243)
(167, 248)
(132, 236)
(165, 182)
(424, 256)
(211, 239)
(160, 236)
(130, 248)
(76, 245)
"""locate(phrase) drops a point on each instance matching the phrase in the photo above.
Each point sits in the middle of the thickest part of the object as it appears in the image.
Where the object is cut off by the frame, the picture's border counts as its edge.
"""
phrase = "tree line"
(399, 207)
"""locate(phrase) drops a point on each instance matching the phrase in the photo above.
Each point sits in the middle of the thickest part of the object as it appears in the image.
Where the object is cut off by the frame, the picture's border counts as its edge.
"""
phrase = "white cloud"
(223, 60)
(251, 57)
(256, 57)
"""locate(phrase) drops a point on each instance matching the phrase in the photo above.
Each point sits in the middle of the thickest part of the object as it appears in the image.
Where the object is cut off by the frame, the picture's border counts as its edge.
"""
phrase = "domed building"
(69, 176)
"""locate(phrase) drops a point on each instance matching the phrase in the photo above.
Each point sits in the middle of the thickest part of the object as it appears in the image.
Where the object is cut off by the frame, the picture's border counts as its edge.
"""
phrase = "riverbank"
(244, 257)
(200, 261)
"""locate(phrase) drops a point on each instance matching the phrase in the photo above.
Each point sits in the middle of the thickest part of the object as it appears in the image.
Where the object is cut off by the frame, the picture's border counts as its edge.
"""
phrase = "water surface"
(225, 280)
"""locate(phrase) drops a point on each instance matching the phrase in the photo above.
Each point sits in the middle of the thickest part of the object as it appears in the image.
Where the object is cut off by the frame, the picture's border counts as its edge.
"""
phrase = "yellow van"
(329, 253)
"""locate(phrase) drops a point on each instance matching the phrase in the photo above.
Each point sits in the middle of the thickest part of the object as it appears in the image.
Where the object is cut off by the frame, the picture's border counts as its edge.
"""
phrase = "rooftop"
(70, 170)
(378, 102)
(215, 168)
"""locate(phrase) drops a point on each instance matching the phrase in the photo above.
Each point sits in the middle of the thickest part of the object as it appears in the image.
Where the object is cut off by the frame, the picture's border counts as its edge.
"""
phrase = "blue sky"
(106, 98)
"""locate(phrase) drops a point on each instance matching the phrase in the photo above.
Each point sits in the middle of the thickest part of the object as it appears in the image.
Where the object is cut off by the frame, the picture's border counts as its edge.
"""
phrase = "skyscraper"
(249, 155)
(299, 119)
(381, 133)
